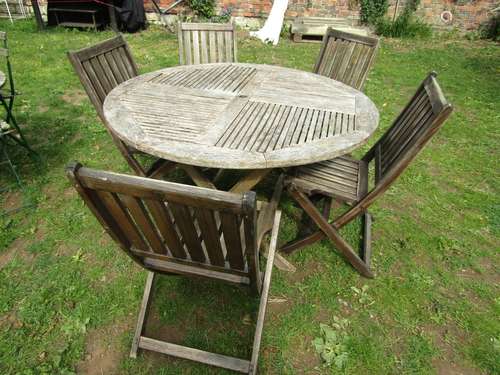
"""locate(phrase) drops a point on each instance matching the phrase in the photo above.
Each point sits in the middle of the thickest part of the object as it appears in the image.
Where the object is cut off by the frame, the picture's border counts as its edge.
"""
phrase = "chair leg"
(331, 232)
(9, 162)
(252, 368)
(366, 250)
(311, 238)
(143, 313)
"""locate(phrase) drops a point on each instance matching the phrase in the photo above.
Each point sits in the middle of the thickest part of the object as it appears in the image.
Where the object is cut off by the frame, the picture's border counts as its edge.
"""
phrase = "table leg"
(250, 180)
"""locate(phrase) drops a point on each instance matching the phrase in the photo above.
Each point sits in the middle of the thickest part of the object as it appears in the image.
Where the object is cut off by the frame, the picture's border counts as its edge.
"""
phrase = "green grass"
(68, 297)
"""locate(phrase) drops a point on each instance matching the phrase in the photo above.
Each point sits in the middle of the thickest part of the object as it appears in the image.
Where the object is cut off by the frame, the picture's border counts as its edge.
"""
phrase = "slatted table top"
(240, 116)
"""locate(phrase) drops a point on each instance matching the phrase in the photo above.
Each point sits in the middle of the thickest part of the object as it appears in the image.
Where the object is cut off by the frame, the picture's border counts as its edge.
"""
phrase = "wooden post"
(38, 15)
(112, 16)
(395, 11)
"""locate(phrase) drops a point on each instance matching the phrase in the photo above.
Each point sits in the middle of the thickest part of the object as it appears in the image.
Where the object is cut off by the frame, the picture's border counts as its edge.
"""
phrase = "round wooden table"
(240, 116)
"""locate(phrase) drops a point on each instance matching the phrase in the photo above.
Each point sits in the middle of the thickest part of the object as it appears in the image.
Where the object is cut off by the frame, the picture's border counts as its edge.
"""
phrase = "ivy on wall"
(203, 8)
(372, 10)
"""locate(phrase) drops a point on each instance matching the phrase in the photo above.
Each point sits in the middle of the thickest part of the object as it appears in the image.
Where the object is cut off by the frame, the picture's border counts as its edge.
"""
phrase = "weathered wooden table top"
(240, 116)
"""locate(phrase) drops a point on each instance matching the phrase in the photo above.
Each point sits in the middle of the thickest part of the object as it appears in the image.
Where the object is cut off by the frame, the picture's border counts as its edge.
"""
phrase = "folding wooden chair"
(203, 43)
(346, 57)
(346, 179)
(175, 229)
(10, 132)
(101, 68)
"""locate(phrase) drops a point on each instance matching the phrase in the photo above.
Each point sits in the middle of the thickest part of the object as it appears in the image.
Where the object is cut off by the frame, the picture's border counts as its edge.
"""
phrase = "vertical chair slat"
(121, 64)
(231, 229)
(204, 47)
(220, 47)
(187, 47)
(108, 71)
(115, 71)
(213, 46)
(118, 211)
(229, 45)
(97, 86)
(143, 221)
(166, 228)
(188, 231)
(196, 47)
(210, 235)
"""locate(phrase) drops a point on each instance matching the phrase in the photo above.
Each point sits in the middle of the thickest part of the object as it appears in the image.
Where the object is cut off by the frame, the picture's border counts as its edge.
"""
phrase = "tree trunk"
(270, 32)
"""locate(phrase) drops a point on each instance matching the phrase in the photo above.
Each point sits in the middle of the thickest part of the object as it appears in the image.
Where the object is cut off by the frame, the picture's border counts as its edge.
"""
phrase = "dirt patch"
(103, 352)
(303, 272)
(448, 362)
(17, 248)
(75, 97)
(173, 333)
(304, 358)
(10, 320)
(69, 193)
(487, 272)
(444, 367)
(12, 200)
(278, 306)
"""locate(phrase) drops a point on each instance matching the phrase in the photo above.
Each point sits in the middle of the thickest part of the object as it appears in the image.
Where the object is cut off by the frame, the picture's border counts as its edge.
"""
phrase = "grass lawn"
(69, 298)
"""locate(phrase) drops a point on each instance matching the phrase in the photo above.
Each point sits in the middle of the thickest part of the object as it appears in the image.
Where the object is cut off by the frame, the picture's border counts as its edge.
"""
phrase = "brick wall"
(261, 8)
(467, 14)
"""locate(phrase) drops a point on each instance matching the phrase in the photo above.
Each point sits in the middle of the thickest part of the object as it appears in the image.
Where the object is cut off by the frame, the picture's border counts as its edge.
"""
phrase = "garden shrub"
(372, 10)
(491, 30)
(405, 25)
(204, 9)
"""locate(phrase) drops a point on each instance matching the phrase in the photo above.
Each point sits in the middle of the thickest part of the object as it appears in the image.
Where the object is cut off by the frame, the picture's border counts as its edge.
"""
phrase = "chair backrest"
(416, 124)
(175, 228)
(203, 43)
(422, 117)
(346, 57)
(4, 52)
(102, 67)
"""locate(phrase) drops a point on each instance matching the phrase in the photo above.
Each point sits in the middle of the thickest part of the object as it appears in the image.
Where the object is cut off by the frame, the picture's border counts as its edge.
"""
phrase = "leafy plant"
(223, 17)
(491, 30)
(362, 294)
(372, 10)
(405, 25)
(331, 345)
(203, 8)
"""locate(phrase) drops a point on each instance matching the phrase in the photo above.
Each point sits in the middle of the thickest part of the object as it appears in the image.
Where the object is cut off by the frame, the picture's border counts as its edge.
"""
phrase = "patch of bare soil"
(75, 97)
(43, 108)
(103, 352)
(277, 306)
(174, 333)
(13, 200)
(305, 271)
(304, 359)
(10, 320)
(17, 248)
(448, 363)
(487, 273)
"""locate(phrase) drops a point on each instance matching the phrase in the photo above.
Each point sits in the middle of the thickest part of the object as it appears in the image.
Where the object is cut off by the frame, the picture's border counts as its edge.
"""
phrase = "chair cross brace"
(360, 263)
